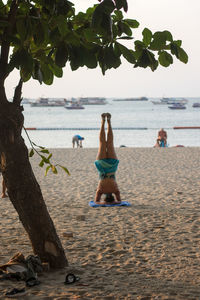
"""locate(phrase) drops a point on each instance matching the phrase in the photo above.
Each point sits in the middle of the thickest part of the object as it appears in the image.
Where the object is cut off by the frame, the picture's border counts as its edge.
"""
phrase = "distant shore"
(150, 249)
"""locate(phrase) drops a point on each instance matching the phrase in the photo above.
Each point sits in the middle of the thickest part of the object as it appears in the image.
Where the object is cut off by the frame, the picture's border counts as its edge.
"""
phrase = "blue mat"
(123, 203)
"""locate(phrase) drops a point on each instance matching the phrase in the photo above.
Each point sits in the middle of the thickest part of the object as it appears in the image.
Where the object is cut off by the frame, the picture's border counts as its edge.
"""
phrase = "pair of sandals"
(106, 115)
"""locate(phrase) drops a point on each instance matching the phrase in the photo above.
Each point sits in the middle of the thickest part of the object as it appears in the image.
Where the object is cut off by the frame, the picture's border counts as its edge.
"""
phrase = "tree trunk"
(23, 189)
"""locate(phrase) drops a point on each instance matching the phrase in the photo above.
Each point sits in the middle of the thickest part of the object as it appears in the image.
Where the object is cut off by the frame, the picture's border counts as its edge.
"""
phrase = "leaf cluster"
(47, 34)
(45, 156)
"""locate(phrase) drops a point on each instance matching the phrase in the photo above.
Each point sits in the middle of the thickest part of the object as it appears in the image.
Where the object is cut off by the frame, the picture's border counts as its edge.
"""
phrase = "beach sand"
(147, 251)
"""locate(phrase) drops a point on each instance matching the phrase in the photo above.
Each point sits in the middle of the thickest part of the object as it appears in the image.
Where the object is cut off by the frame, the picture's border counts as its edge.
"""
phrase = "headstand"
(107, 163)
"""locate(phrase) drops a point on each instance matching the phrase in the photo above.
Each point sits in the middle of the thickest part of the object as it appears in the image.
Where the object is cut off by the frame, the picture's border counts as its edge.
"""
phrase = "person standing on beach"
(77, 139)
(106, 164)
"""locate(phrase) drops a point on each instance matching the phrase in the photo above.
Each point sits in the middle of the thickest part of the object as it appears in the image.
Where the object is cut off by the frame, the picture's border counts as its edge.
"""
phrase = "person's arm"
(98, 196)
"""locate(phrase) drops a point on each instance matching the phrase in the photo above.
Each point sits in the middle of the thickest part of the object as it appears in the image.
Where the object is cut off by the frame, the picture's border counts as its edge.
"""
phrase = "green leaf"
(147, 36)
(62, 25)
(21, 29)
(147, 59)
(165, 59)
(121, 4)
(124, 27)
(31, 153)
(41, 147)
(118, 15)
(90, 35)
(160, 39)
(45, 159)
(111, 60)
(132, 23)
(182, 55)
(41, 164)
(127, 53)
(44, 151)
(61, 56)
(50, 155)
(54, 170)
(47, 169)
(65, 169)
(47, 74)
(39, 35)
(57, 71)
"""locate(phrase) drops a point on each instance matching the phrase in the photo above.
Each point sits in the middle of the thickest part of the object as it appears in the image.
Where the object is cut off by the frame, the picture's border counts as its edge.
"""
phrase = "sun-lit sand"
(147, 251)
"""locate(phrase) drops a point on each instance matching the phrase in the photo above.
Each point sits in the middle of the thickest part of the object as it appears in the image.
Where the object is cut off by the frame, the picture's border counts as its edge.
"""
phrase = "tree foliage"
(44, 35)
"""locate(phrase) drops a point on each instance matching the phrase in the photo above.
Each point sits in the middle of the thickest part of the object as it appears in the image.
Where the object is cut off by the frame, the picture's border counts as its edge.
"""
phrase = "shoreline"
(150, 249)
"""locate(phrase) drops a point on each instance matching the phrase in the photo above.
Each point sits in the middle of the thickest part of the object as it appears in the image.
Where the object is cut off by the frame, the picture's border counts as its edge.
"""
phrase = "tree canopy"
(40, 37)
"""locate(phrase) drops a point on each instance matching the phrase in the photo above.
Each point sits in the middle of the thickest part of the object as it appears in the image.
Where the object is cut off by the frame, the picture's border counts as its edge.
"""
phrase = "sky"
(180, 17)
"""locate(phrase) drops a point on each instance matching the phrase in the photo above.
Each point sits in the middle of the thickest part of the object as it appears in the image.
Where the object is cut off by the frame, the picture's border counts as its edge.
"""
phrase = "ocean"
(135, 124)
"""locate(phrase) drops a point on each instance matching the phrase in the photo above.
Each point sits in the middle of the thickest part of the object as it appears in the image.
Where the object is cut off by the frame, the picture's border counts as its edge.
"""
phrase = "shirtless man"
(106, 164)
(162, 136)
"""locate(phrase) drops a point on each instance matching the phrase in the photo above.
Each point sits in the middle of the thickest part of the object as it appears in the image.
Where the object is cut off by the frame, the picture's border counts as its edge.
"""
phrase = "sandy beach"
(149, 250)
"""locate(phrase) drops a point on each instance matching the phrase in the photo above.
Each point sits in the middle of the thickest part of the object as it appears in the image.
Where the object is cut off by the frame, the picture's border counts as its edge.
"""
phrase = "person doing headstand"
(106, 164)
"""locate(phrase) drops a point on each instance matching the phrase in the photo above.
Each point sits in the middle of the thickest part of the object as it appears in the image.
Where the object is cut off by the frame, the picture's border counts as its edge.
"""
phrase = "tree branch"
(5, 46)
(18, 92)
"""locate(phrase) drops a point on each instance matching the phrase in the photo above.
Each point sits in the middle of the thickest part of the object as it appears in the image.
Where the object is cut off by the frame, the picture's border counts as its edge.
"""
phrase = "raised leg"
(110, 145)
(102, 140)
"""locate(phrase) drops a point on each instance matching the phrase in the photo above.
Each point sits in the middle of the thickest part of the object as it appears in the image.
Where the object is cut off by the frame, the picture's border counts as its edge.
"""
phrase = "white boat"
(196, 104)
(177, 106)
(174, 100)
(74, 105)
(132, 99)
(48, 102)
(159, 102)
(92, 100)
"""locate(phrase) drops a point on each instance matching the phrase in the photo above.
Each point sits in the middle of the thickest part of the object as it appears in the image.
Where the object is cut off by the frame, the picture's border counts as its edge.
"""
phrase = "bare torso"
(107, 186)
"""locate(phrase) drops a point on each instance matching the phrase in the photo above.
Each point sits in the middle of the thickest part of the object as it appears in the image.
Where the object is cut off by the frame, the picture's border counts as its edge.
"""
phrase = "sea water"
(135, 124)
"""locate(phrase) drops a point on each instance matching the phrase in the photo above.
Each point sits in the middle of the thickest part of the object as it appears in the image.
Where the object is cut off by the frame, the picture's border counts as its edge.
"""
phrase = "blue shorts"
(107, 166)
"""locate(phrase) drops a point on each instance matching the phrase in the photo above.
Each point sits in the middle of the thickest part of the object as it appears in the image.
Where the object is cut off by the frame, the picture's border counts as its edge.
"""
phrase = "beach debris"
(21, 268)
(80, 218)
(71, 278)
(16, 293)
(32, 282)
(68, 234)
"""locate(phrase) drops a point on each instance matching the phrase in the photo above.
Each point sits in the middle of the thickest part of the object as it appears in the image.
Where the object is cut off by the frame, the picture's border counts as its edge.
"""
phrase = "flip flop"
(71, 278)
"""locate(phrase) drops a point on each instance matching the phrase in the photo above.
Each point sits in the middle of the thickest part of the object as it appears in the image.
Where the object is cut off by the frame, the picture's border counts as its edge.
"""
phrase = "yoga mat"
(123, 203)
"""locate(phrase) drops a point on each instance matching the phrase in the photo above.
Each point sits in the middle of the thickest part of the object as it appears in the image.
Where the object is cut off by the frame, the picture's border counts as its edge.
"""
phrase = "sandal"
(16, 293)
(71, 278)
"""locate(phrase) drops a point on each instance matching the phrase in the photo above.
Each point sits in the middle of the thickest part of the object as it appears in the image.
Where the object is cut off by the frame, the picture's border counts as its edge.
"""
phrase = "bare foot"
(108, 116)
(103, 116)
(4, 196)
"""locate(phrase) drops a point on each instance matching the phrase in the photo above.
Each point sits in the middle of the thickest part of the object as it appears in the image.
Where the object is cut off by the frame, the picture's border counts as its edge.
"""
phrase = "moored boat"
(92, 100)
(177, 106)
(49, 102)
(174, 100)
(74, 105)
(196, 104)
(132, 99)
